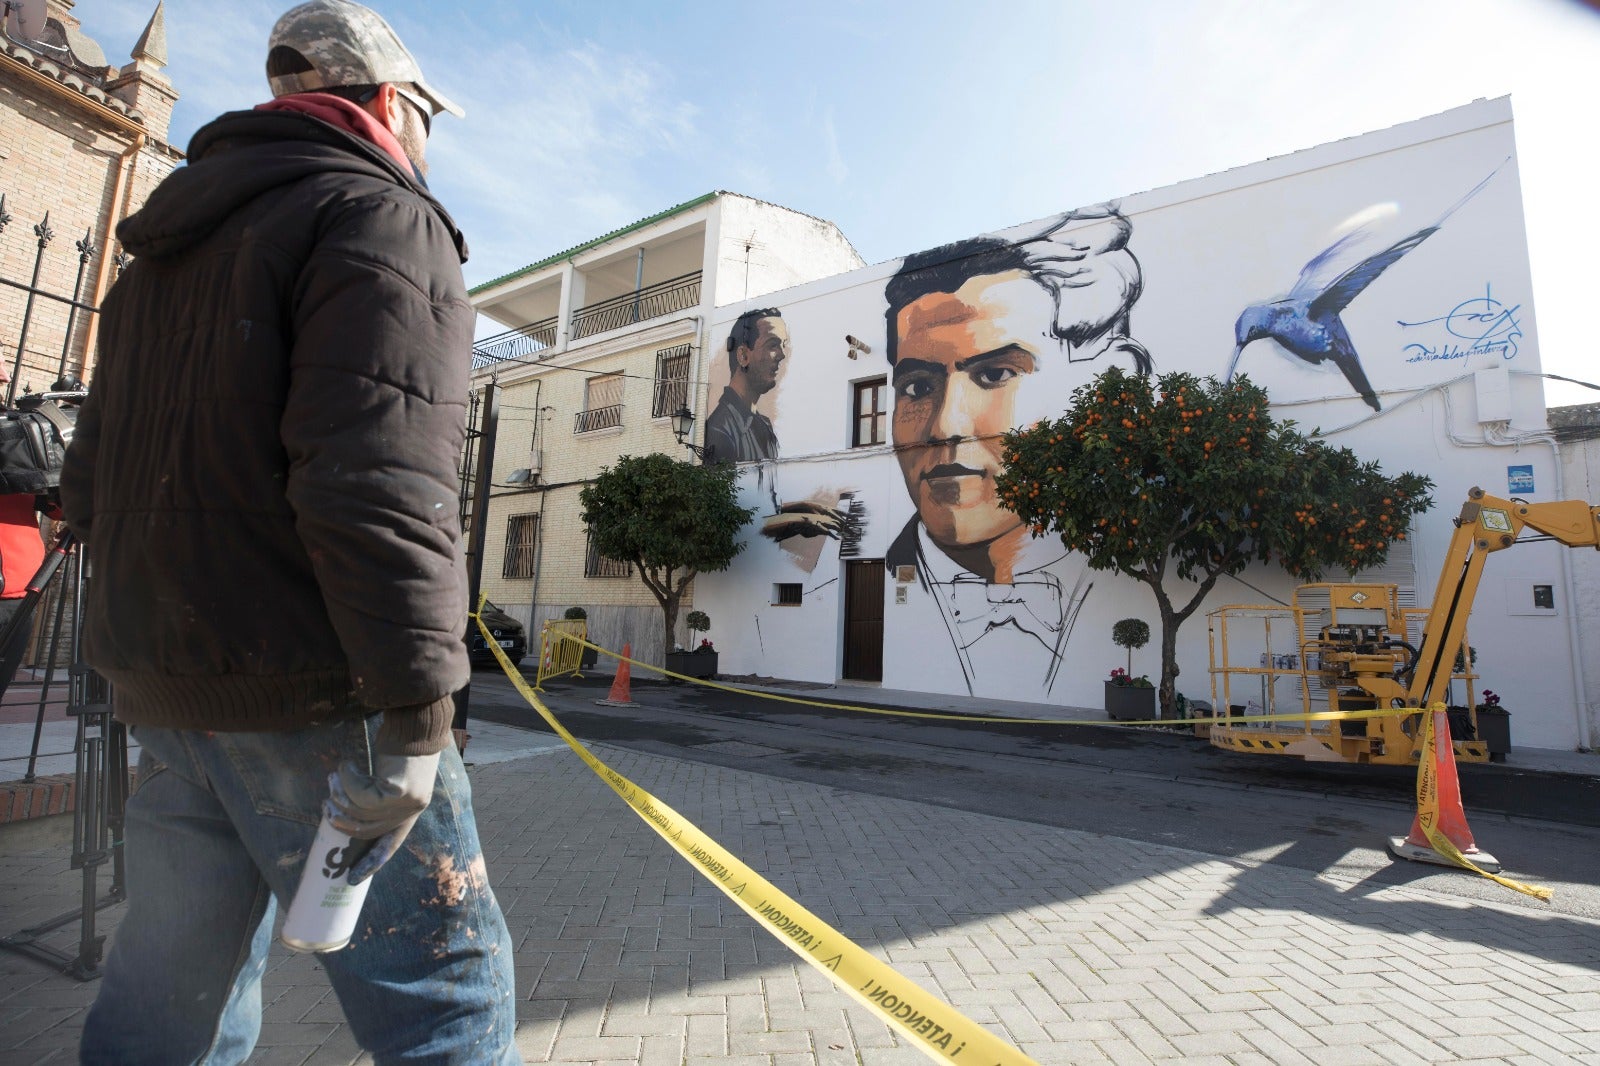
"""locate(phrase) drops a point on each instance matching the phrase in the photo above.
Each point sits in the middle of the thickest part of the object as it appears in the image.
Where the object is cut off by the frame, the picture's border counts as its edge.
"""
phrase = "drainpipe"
(638, 284)
(538, 547)
(697, 385)
(1574, 645)
(121, 191)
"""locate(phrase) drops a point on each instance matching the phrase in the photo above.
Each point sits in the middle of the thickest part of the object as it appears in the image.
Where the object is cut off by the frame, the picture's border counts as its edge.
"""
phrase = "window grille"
(786, 595)
(597, 565)
(672, 381)
(602, 404)
(522, 536)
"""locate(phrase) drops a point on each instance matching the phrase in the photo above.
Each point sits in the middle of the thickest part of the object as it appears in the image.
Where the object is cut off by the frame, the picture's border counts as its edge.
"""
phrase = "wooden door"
(863, 619)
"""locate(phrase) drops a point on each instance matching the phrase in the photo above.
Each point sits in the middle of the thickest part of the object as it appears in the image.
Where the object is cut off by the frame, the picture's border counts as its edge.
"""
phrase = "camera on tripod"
(34, 436)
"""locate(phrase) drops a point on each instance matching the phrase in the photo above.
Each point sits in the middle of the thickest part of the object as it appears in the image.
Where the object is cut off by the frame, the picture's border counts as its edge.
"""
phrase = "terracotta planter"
(1129, 703)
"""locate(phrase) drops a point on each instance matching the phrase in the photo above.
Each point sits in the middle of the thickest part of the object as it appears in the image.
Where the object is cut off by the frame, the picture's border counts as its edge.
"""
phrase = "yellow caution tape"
(1312, 716)
(934, 1026)
(1428, 812)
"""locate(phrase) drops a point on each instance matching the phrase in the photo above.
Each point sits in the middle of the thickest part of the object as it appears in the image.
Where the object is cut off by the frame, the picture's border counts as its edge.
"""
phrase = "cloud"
(838, 170)
(552, 149)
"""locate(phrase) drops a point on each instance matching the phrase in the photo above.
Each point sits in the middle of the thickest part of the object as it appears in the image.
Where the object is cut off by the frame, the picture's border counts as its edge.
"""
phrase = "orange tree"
(1192, 478)
(670, 519)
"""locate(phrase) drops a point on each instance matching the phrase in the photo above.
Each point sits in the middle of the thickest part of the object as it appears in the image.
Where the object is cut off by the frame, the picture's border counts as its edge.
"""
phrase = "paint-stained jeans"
(220, 825)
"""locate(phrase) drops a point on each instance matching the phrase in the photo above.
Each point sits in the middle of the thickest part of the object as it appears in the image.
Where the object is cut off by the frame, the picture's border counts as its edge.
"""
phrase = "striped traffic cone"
(1439, 803)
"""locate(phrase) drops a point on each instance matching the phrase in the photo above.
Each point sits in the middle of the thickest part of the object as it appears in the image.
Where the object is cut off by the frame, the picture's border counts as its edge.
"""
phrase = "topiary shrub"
(1130, 633)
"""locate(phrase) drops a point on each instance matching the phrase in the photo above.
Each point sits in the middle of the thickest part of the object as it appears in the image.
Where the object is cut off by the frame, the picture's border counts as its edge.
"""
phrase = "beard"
(414, 142)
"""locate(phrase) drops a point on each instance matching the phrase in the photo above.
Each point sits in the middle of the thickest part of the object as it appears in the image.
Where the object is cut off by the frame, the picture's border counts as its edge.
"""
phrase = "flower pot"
(1128, 703)
(693, 663)
(1494, 729)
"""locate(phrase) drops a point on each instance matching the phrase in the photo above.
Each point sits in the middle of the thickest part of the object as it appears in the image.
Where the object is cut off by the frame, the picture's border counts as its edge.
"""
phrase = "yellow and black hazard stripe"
(934, 1026)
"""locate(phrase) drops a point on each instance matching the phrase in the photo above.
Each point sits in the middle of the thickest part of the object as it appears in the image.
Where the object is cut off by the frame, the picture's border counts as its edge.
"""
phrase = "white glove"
(381, 806)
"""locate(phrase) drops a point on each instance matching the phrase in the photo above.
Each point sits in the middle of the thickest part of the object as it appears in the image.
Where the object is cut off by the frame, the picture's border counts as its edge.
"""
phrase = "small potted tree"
(1130, 698)
(700, 661)
(590, 656)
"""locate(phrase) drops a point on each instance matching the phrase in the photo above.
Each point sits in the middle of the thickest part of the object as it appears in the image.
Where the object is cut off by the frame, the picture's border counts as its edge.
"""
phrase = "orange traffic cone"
(1439, 803)
(620, 697)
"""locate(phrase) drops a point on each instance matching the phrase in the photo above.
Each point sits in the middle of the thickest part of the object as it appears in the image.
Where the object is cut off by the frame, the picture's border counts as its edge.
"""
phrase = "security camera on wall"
(857, 347)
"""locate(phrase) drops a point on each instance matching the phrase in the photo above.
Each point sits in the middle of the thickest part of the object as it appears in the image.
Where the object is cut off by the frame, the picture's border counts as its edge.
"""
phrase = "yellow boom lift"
(1352, 647)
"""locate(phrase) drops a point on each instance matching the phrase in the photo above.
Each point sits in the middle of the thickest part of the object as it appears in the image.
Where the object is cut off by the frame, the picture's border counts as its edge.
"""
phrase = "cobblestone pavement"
(1078, 948)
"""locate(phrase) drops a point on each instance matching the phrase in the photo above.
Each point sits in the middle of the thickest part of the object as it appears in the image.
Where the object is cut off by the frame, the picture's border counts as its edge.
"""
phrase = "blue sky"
(911, 124)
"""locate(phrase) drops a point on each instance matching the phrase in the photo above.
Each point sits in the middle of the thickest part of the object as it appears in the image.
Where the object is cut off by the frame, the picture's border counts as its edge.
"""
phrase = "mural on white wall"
(982, 335)
(738, 431)
(1412, 277)
(1306, 325)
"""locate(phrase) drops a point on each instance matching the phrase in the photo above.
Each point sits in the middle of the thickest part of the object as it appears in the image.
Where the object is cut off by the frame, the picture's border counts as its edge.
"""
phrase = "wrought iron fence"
(652, 301)
(528, 341)
(598, 418)
(41, 362)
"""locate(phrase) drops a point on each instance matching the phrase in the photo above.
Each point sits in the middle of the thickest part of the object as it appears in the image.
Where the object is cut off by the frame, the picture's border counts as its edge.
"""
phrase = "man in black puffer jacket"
(265, 476)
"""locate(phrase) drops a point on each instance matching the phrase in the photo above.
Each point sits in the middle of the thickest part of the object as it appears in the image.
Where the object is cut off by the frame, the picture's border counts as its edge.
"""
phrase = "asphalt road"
(1148, 785)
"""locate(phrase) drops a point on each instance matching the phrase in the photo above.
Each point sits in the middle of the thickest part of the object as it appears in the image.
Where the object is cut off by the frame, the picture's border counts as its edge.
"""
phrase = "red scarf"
(352, 118)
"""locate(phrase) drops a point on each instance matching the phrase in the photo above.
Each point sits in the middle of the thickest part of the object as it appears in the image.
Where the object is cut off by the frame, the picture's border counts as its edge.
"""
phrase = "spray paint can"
(325, 908)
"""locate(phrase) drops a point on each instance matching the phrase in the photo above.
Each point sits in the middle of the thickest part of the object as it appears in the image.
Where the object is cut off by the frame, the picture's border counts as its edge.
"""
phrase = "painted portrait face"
(971, 365)
(762, 360)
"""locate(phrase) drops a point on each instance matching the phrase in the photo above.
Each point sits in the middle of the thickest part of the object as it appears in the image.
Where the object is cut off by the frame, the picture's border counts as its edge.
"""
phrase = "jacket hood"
(242, 155)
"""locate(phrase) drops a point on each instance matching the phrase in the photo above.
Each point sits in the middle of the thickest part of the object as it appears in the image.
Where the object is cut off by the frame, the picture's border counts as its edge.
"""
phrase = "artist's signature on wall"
(1480, 325)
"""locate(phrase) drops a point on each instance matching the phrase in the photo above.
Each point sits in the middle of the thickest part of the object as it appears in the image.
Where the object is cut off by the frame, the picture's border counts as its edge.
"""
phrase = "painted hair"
(744, 333)
(946, 269)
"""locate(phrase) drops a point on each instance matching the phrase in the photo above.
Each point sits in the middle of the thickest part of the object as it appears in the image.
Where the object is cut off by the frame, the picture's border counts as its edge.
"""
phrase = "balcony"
(598, 418)
(652, 301)
(524, 343)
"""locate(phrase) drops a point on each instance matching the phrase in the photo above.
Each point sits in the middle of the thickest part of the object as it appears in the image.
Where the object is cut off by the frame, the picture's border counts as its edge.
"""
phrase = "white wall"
(763, 248)
(1207, 250)
(1581, 475)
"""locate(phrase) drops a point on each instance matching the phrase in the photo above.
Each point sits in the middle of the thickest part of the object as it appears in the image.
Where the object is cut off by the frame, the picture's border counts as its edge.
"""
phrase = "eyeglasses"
(422, 107)
(409, 97)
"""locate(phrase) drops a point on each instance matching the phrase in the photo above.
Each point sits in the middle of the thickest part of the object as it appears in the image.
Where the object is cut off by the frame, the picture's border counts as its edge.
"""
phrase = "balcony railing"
(598, 418)
(652, 301)
(522, 343)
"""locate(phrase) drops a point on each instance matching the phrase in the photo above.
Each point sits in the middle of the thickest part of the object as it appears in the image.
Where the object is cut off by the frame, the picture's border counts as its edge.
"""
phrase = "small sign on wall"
(1519, 480)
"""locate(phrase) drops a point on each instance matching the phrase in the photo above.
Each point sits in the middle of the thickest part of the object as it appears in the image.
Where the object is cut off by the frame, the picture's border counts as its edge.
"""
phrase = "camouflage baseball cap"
(347, 44)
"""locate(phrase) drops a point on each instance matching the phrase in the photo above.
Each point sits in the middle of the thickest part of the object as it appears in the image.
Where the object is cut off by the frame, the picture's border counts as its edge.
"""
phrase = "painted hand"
(803, 518)
(381, 806)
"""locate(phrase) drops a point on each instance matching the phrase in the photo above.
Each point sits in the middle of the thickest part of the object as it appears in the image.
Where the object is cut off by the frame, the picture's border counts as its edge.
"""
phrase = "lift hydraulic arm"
(1486, 524)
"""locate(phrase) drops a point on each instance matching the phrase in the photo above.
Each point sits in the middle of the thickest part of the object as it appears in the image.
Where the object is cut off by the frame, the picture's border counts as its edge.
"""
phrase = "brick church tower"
(82, 143)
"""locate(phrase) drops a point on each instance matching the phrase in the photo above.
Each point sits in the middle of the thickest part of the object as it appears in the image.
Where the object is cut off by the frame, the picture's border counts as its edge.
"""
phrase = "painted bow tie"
(1032, 605)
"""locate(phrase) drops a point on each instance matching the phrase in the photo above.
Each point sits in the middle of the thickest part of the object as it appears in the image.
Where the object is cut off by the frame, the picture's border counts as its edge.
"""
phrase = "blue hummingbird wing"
(1352, 282)
(1309, 284)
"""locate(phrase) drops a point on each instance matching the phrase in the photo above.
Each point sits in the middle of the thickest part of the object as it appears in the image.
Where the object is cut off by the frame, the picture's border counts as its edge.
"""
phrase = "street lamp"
(683, 428)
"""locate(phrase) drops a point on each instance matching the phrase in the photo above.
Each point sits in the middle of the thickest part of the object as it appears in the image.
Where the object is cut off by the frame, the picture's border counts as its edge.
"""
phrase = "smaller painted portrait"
(736, 432)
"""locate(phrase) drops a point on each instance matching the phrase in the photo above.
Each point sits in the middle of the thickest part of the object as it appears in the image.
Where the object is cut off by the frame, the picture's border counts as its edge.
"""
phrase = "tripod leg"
(117, 810)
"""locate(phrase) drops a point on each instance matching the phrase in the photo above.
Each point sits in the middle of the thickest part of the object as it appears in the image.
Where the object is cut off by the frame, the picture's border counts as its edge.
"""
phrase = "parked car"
(507, 631)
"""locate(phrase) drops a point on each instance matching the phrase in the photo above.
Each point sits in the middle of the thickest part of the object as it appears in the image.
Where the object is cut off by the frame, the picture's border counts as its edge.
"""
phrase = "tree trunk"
(669, 614)
(1169, 653)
